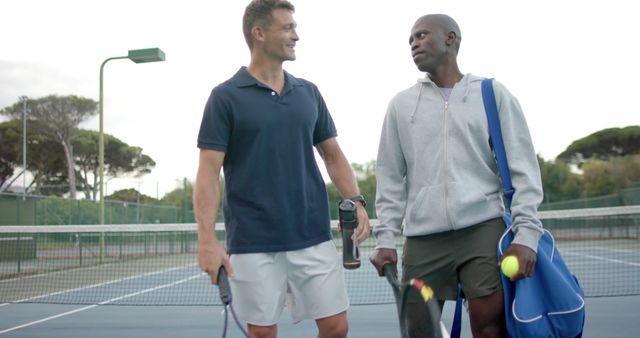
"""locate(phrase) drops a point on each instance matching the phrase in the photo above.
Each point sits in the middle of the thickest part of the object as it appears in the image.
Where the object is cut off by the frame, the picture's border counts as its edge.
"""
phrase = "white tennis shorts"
(309, 281)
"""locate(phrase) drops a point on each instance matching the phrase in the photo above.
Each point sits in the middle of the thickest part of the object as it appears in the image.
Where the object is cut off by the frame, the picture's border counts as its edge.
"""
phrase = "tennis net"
(156, 264)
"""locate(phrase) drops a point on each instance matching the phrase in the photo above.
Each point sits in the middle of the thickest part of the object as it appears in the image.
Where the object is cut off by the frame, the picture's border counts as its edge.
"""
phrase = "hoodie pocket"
(471, 205)
(428, 209)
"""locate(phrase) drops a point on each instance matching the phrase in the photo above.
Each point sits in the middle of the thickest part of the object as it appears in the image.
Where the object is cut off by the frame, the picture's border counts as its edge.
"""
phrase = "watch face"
(347, 205)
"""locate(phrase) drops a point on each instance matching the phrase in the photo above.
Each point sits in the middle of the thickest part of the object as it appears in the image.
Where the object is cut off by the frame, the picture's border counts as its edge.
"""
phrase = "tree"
(626, 170)
(181, 197)
(120, 159)
(44, 157)
(366, 177)
(604, 144)
(61, 115)
(46, 161)
(597, 178)
(609, 160)
(8, 154)
(606, 177)
(558, 182)
(131, 195)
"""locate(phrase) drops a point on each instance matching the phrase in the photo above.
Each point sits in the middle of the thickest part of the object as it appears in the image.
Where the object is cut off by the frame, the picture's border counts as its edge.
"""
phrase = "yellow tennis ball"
(510, 266)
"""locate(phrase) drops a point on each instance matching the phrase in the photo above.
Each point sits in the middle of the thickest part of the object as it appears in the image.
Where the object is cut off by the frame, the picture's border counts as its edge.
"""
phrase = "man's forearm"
(342, 176)
(206, 202)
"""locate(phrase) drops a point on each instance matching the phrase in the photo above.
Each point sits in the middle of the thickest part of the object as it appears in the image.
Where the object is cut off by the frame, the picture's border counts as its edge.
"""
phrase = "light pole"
(137, 56)
(24, 146)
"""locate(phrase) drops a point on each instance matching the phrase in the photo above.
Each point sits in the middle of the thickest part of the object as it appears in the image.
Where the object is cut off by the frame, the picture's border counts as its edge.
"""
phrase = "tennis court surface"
(143, 281)
(607, 317)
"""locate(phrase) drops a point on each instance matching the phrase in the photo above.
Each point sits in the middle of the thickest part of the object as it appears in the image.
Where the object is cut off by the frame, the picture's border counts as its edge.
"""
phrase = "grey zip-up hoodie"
(436, 171)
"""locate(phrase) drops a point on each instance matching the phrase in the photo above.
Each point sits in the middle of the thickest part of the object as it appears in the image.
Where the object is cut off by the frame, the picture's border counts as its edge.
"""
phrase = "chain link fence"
(16, 209)
(630, 196)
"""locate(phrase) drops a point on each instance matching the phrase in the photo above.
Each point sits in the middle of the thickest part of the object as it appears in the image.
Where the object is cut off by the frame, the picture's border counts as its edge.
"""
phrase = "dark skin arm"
(526, 260)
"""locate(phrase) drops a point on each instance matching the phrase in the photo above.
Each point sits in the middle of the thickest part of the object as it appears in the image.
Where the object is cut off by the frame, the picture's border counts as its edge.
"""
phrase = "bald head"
(435, 41)
(445, 23)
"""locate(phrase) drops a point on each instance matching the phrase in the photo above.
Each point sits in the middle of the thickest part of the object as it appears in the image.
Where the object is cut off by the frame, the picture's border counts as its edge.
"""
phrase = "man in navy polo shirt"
(261, 127)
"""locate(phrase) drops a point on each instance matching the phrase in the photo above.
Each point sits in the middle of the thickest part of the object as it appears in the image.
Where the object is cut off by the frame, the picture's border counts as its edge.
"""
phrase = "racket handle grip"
(223, 286)
(390, 273)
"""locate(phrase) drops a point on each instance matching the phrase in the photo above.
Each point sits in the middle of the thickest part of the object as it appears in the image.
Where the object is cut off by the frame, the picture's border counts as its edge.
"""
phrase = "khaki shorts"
(467, 256)
(309, 281)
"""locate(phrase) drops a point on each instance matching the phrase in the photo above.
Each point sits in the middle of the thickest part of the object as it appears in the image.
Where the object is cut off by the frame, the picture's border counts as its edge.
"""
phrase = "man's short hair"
(258, 13)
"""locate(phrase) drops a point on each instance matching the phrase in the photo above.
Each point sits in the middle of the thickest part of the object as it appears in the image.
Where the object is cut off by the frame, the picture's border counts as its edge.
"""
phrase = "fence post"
(184, 200)
(80, 248)
(18, 253)
(18, 218)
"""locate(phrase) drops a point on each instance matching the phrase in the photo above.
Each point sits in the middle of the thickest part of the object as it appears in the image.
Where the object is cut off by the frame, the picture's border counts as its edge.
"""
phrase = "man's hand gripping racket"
(225, 296)
(418, 311)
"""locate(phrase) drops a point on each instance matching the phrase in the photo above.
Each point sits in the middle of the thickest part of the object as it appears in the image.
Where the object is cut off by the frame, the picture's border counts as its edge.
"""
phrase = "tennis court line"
(102, 303)
(625, 251)
(603, 259)
(48, 318)
(38, 275)
(81, 268)
(99, 284)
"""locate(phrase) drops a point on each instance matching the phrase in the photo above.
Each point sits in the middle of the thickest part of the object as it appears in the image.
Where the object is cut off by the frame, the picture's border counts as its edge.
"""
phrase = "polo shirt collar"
(242, 78)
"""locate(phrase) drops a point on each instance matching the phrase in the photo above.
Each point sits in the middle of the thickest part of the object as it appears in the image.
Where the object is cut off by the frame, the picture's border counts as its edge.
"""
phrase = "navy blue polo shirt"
(274, 196)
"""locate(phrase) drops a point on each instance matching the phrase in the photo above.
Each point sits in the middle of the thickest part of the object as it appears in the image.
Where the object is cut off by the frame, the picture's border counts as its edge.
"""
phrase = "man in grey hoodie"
(437, 175)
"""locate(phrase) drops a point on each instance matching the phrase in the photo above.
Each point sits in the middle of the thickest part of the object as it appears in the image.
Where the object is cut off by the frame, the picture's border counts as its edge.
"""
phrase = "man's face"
(428, 45)
(281, 36)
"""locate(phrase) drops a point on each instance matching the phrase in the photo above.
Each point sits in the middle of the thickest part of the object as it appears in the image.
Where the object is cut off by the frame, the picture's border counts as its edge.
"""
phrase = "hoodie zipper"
(445, 161)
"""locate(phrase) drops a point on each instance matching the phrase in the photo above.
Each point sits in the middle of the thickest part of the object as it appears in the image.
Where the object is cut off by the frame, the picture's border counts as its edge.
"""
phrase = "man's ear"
(258, 33)
(451, 38)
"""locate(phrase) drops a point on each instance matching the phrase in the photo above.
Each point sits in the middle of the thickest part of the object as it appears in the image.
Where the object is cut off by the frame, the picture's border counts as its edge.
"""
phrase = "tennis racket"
(225, 297)
(418, 311)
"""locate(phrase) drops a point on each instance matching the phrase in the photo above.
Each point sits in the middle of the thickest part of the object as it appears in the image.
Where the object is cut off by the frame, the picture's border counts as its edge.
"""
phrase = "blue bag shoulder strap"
(497, 142)
(456, 326)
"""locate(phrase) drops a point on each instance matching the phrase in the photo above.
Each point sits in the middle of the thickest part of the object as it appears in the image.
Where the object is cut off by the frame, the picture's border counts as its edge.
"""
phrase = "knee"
(262, 331)
(489, 332)
(487, 316)
(489, 329)
(339, 330)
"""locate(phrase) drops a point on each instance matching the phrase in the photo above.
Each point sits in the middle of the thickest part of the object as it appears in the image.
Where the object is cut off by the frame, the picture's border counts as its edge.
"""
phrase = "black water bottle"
(349, 223)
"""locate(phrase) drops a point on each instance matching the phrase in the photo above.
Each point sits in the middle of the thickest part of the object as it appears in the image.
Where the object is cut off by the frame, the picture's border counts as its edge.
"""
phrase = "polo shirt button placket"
(273, 93)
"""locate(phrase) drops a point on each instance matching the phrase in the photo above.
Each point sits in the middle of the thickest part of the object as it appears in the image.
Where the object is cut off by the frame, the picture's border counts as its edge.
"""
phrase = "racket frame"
(400, 293)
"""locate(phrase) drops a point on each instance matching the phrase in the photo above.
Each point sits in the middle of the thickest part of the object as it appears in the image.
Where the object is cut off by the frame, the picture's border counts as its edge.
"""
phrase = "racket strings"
(422, 315)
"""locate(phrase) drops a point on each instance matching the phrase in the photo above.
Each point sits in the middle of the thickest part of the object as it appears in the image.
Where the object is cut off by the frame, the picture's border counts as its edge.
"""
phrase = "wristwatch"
(360, 199)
